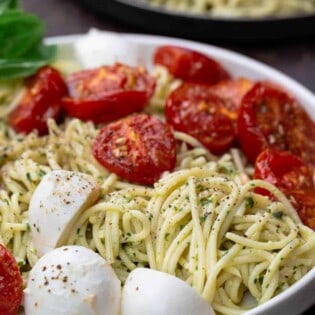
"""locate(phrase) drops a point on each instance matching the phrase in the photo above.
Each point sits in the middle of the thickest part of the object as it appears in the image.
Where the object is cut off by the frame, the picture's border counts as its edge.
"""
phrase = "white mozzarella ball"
(72, 280)
(55, 205)
(105, 48)
(151, 292)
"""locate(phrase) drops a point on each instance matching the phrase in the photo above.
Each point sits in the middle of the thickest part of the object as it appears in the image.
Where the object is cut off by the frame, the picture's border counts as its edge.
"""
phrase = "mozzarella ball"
(105, 48)
(151, 292)
(72, 280)
(56, 203)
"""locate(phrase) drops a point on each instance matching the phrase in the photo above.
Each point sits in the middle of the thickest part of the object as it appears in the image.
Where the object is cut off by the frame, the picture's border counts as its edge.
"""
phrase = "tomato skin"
(103, 110)
(108, 93)
(231, 92)
(300, 134)
(10, 283)
(194, 109)
(282, 169)
(293, 177)
(41, 101)
(138, 148)
(270, 117)
(189, 65)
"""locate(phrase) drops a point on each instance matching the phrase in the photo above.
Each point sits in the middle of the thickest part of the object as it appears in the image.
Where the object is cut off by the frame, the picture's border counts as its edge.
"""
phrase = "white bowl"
(299, 296)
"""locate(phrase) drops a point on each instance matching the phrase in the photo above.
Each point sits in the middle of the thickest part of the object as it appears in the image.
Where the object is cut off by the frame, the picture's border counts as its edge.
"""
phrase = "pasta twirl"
(225, 240)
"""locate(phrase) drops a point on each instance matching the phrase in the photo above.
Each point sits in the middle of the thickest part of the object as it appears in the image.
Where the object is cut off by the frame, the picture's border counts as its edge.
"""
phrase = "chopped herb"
(28, 176)
(204, 217)
(278, 214)
(280, 286)
(259, 280)
(227, 169)
(205, 201)
(166, 236)
(21, 262)
(41, 173)
(249, 202)
(199, 187)
(150, 216)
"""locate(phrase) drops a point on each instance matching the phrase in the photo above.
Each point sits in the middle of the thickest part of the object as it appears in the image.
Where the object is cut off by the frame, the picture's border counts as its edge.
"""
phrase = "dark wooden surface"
(296, 59)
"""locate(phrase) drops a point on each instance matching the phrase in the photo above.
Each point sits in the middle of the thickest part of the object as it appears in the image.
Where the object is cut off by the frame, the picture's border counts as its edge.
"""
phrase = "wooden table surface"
(296, 58)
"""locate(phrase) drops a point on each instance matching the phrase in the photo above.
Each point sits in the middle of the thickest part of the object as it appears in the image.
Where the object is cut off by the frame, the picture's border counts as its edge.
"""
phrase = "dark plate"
(202, 27)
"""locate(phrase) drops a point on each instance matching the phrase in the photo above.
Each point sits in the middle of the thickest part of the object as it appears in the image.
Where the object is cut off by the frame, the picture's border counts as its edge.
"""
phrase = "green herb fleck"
(259, 280)
(249, 202)
(278, 214)
(166, 236)
(28, 176)
(205, 201)
(21, 262)
(204, 217)
(41, 173)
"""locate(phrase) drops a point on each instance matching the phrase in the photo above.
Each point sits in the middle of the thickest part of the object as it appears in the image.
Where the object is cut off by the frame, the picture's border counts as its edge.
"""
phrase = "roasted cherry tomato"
(269, 117)
(10, 283)
(194, 109)
(41, 101)
(138, 148)
(293, 177)
(189, 65)
(107, 93)
(231, 92)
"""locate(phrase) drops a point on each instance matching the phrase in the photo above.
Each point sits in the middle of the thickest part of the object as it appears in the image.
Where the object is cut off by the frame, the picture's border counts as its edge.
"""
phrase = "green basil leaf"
(21, 49)
(19, 68)
(19, 32)
(8, 4)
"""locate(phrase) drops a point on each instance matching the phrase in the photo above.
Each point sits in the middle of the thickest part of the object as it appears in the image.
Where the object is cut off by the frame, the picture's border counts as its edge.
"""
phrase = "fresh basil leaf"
(21, 48)
(18, 68)
(19, 32)
(8, 4)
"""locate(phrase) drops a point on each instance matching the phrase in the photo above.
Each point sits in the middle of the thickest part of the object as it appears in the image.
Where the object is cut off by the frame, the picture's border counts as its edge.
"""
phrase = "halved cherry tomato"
(189, 65)
(194, 109)
(109, 92)
(41, 100)
(293, 177)
(138, 148)
(231, 92)
(270, 117)
(10, 283)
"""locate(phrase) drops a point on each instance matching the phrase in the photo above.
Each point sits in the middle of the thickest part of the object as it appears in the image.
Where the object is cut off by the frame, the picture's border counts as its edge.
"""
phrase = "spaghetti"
(203, 222)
